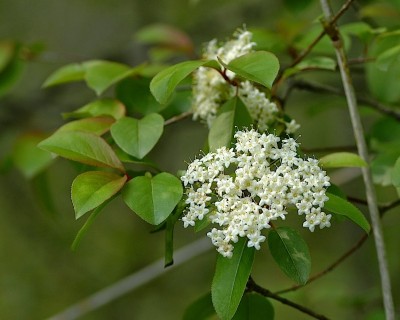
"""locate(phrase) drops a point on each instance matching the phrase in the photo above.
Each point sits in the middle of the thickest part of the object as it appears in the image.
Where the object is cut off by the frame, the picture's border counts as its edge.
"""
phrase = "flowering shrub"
(251, 175)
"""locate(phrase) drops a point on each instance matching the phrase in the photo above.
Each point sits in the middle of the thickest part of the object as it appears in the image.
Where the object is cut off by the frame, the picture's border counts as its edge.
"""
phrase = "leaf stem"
(333, 33)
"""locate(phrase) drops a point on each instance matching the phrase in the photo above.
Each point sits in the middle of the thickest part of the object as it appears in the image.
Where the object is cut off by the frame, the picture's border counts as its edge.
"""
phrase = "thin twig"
(137, 279)
(319, 88)
(390, 206)
(254, 287)
(335, 264)
(177, 118)
(307, 50)
(333, 33)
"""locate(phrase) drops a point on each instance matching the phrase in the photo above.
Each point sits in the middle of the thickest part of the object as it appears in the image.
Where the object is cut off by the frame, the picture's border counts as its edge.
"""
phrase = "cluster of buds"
(211, 90)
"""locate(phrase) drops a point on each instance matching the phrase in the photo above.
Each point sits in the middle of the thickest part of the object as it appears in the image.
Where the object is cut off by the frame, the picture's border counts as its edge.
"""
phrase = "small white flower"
(211, 90)
(242, 189)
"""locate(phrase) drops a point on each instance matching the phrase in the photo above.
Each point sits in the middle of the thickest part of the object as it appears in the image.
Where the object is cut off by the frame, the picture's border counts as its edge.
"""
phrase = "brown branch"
(335, 264)
(254, 287)
(307, 50)
(390, 206)
(318, 88)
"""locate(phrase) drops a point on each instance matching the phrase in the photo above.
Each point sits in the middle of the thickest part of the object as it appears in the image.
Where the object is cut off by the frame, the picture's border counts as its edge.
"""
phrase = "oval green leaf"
(254, 307)
(260, 66)
(98, 108)
(230, 279)
(70, 73)
(341, 206)
(342, 159)
(91, 189)
(291, 253)
(138, 137)
(82, 147)
(153, 198)
(163, 84)
(314, 63)
(95, 125)
(135, 94)
(234, 115)
(101, 75)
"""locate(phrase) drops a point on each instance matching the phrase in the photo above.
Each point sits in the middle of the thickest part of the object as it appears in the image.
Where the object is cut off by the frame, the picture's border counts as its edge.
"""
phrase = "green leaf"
(230, 278)
(201, 224)
(135, 94)
(342, 159)
(387, 68)
(153, 198)
(234, 115)
(318, 63)
(138, 137)
(396, 174)
(101, 75)
(382, 166)
(98, 108)
(124, 157)
(164, 83)
(95, 125)
(83, 147)
(388, 58)
(201, 309)
(335, 190)
(254, 307)
(260, 66)
(98, 74)
(28, 158)
(386, 129)
(91, 189)
(341, 206)
(70, 73)
(290, 252)
(361, 30)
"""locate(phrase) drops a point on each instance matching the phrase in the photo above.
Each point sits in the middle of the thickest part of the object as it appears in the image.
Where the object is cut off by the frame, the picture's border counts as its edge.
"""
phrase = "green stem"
(82, 231)
(333, 33)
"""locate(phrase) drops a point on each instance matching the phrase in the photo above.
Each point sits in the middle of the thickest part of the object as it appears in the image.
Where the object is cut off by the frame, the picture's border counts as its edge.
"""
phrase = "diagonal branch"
(254, 287)
(320, 88)
(307, 50)
(333, 33)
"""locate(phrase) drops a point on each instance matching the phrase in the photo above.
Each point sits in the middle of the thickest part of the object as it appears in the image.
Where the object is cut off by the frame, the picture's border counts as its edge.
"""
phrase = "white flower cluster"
(211, 90)
(244, 188)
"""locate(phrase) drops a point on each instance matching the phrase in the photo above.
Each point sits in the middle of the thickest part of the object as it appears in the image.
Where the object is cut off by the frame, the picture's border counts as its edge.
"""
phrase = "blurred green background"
(40, 275)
